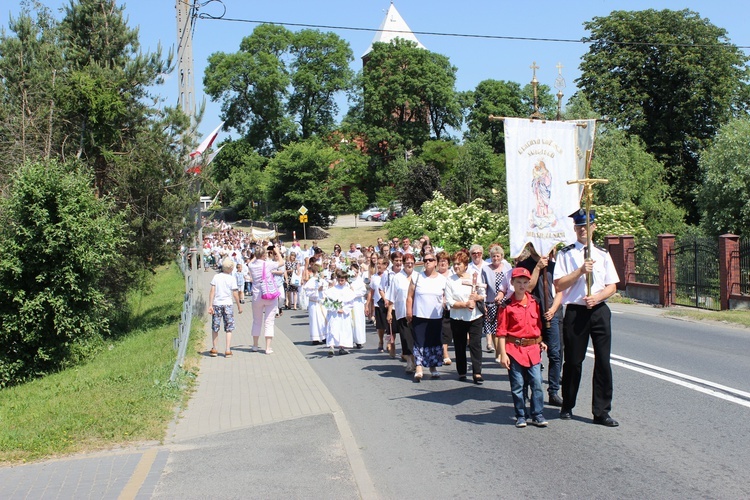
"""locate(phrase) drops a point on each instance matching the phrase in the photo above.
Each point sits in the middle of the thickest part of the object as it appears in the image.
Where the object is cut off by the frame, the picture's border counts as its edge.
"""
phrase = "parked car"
(372, 213)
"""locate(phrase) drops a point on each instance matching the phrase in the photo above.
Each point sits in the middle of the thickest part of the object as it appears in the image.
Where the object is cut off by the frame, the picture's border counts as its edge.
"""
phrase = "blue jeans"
(551, 337)
(532, 376)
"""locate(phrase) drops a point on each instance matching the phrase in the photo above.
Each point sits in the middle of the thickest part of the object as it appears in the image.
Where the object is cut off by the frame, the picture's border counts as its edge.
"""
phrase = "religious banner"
(585, 133)
(540, 158)
(263, 234)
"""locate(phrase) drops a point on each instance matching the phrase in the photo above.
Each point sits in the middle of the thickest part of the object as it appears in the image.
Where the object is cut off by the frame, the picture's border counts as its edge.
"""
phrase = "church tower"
(393, 26)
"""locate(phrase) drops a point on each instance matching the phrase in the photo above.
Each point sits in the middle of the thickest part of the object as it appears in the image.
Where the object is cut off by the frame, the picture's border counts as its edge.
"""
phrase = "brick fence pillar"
(613, 245)
(664, 249)
(729, 266)
(628, 253)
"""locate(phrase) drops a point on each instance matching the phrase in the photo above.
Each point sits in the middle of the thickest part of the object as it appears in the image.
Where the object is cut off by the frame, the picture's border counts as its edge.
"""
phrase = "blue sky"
(476, 59)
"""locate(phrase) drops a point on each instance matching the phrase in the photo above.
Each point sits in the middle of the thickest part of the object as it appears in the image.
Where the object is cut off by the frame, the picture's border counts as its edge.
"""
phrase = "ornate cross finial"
(534, 67)
(588, 193)
(559, 68)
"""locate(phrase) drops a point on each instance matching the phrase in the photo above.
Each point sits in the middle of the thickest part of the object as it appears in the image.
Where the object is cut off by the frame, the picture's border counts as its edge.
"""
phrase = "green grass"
(735, 317)
(121, 396)
(343, 235)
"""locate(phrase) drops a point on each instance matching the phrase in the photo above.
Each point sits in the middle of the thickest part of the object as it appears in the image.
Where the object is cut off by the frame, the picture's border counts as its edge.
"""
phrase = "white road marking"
(705, 387)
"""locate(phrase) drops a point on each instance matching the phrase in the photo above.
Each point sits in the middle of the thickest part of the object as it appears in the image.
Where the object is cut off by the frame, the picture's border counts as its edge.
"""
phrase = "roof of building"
(393, 26)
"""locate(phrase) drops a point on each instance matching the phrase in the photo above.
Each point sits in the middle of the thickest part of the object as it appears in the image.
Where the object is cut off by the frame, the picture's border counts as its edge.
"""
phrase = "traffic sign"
(303, 218)
(302, 210)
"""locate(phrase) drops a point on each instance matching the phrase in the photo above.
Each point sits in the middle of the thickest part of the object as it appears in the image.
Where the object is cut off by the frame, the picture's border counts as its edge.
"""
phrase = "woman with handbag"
(265, 293)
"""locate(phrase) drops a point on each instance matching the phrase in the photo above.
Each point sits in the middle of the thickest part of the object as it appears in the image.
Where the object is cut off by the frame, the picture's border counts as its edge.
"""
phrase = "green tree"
(635, 177)
(498, 98)
(670, 77)
(239, 173)
(418, 185)
(477, 173)
(253, 85)
(57, 241)
(320, 70)
(276, 78)
(107, 118)
(579, 108)
(440, 154)
(724, 193)
(303, 174)
(29, 60)
(407, 93)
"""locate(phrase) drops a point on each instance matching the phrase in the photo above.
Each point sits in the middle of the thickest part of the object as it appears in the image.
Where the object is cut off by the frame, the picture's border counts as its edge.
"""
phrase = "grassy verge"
(366, 235)
(343, 234)
(741, 318)
(122, 396)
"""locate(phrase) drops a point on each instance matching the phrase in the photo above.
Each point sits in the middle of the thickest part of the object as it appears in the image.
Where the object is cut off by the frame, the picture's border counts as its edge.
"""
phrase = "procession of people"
(420, 304)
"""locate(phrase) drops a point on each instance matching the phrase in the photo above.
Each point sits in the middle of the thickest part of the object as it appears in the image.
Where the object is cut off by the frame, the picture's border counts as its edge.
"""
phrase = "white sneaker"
(255, 348)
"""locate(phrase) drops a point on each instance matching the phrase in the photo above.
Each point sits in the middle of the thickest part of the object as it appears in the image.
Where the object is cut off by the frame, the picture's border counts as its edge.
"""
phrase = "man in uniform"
(586, 316)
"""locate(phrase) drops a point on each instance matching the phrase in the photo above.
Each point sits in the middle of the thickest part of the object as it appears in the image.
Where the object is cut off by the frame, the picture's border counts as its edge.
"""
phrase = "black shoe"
(462, 377)
(606, 421)
(478, 379)
(359, 346)
(566, 414)
(555, 399)
(343, 351)
(316, 342)
(330, 353)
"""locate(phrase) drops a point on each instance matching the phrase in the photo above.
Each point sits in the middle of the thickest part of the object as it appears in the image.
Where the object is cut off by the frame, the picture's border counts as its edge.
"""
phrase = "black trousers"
(474, 329)
(579, 324)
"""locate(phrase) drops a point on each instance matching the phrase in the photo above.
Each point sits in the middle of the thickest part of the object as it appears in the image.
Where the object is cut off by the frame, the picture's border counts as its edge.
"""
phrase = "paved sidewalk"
(258, 426)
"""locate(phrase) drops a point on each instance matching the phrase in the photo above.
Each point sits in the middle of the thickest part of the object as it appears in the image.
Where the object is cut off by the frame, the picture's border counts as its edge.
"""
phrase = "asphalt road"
(679, 437)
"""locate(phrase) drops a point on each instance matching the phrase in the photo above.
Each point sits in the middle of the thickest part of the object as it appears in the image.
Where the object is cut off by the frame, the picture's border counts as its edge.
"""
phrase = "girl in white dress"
(358, 312)
(339, 316)
(313, 290)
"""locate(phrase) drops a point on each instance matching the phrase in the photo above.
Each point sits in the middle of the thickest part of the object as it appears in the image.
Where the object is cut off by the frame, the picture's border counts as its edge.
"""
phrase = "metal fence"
(744, 258)
(646, 264)
(694, 273)
(186, 319)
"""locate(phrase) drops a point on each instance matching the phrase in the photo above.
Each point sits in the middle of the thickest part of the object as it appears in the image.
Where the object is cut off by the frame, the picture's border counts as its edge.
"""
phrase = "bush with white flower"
(453, 227)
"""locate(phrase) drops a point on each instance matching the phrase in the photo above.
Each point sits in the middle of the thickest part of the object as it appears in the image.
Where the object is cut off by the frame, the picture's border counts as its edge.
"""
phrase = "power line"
(457, 35)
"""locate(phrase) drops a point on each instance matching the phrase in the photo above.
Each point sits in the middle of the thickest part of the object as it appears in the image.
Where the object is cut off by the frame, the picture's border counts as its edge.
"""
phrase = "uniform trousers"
(579, 324)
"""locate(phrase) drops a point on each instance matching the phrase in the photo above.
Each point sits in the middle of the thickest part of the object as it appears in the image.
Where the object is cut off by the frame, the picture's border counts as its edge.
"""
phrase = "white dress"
(358, 312)
(339, 330)
(314, 309)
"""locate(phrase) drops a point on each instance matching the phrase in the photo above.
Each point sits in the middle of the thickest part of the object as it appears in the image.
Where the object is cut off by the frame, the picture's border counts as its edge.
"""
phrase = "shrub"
(452, 227)
(57, 239)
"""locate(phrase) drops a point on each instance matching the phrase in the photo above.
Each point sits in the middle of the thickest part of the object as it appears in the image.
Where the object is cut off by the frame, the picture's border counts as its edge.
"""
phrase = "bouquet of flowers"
(350, 273)
(332, 305)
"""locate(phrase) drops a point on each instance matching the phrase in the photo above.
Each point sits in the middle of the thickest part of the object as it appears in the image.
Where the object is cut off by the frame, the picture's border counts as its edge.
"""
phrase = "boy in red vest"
(519, 329)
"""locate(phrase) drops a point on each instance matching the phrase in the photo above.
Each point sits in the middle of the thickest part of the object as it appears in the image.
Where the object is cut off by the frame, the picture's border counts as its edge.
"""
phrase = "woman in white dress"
(339, 318)
(313, 290)
(358, 312)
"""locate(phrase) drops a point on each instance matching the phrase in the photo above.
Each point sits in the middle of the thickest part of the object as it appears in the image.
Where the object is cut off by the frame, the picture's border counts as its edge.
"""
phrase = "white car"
(372, 213)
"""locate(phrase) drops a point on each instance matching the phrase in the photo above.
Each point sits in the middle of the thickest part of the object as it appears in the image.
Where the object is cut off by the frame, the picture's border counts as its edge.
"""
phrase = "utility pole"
(186, 14)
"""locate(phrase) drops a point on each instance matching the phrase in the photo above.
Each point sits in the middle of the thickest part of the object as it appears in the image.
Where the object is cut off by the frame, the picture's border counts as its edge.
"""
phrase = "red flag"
(210, 138)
